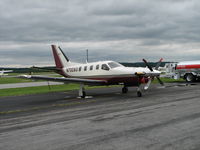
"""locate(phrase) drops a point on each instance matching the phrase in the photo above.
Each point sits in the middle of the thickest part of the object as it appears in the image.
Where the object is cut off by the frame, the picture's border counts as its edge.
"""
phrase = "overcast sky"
(120, 30)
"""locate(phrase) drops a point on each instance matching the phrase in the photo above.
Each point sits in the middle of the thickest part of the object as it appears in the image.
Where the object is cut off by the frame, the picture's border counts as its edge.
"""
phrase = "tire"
(84, 94)
(139, 94)
(124, 90)
(190, 77)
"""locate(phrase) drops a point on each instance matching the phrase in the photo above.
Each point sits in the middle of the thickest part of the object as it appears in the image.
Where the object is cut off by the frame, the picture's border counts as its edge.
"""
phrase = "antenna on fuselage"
(86, 55)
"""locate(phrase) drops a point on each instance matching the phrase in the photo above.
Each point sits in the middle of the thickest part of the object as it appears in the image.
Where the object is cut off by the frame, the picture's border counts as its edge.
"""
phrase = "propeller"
(160, 81)
(158, 64)
(151, 69)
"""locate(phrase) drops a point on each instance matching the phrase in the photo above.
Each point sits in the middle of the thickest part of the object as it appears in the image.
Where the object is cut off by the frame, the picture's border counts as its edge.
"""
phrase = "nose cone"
(156, 71)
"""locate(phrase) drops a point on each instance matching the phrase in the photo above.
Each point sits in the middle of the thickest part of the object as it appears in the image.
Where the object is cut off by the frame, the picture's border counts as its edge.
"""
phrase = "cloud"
(123, 30)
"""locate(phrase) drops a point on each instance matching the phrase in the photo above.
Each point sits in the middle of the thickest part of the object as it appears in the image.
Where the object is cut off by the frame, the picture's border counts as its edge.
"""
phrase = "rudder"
(60, 58)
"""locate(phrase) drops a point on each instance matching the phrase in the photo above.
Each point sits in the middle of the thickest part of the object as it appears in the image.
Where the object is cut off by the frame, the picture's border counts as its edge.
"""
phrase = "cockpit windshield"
(114, 64)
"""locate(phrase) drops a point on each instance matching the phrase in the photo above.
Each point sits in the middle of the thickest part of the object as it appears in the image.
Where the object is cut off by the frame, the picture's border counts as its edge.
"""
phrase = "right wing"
(65, 80)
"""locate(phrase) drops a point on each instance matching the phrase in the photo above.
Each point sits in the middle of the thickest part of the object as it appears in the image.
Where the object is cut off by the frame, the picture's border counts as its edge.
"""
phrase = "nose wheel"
(124, 89)
(139, 93)
(83, 94)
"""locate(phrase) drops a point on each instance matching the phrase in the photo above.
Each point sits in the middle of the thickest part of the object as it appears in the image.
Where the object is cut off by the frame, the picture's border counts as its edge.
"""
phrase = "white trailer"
(188, 70)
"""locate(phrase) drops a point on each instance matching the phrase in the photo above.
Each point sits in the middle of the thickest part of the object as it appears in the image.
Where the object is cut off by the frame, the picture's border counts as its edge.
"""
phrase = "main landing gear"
(82, 92)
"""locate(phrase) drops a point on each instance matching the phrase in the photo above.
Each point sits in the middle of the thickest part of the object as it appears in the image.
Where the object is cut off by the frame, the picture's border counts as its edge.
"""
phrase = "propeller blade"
(158, 64)
(150, 68)
(160, 81)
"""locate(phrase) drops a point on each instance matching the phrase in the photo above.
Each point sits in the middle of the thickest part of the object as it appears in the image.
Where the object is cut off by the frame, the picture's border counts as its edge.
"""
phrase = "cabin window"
(79, 69)
(91, 67)
(85, 68)
(114, 64)
(97, 67)
(104, 67)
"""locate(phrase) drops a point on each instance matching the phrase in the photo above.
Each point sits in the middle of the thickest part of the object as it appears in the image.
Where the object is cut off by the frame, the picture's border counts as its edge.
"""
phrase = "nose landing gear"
(139, 91)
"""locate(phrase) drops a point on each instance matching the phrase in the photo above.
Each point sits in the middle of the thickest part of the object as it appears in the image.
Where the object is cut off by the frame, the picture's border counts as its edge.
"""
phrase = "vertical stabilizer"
(60, 58)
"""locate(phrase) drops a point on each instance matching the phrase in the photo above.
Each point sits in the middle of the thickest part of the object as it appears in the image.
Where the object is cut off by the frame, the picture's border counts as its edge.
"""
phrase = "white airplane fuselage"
(112, 75)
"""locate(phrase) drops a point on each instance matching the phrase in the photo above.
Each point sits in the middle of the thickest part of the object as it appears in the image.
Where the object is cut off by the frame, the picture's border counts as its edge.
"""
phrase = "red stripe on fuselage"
(56, 58)
(130, 81)
(188, 66)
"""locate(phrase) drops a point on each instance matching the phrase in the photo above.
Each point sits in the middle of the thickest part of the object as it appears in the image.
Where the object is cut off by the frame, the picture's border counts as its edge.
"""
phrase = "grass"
(7, 80)
(37, 90)
(53, 88)
(168, 80)
(43, 89)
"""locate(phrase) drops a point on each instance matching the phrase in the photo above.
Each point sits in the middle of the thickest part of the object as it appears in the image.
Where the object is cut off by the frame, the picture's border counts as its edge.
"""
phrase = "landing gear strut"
(139, 91)
(82, 92)
(124, 89)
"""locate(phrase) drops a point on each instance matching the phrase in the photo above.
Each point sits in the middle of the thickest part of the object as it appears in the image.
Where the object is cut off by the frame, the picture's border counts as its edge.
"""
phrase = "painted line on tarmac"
(46, 107)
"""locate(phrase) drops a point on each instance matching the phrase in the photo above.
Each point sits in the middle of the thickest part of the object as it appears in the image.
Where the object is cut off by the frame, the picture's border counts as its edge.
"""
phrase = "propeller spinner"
(151, 69)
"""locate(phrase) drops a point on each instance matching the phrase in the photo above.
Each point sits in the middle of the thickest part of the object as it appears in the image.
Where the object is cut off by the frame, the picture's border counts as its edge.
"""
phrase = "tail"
(60, 58)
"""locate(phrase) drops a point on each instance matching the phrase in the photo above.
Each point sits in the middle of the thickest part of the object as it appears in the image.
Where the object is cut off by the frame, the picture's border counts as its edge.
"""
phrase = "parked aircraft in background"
(100, 73)
(2, 72)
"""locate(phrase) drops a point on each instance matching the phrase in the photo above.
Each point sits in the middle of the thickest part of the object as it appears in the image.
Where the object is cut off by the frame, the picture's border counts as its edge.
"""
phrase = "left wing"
(65, 80)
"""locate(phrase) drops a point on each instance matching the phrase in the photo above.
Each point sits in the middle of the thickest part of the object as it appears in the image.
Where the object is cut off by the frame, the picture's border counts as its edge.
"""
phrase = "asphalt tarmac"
(28, 84)
(164, 118)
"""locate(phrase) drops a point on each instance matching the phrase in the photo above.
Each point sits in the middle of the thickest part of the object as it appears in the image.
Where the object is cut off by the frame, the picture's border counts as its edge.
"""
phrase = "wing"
(65, 80)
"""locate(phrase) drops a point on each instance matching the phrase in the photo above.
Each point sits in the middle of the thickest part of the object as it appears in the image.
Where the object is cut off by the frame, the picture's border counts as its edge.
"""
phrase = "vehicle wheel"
(139, 94)
(124, 90)
(84, 94)
(190, 78)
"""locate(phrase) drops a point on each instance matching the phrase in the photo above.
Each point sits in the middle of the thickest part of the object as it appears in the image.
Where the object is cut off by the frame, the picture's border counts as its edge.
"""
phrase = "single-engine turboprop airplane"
(100, 73)
(2, 72)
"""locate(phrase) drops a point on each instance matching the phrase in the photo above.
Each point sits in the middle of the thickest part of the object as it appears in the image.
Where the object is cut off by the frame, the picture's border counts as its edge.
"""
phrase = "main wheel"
(139, 94)
(83, 95)
(190, 77)
(124, 90)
